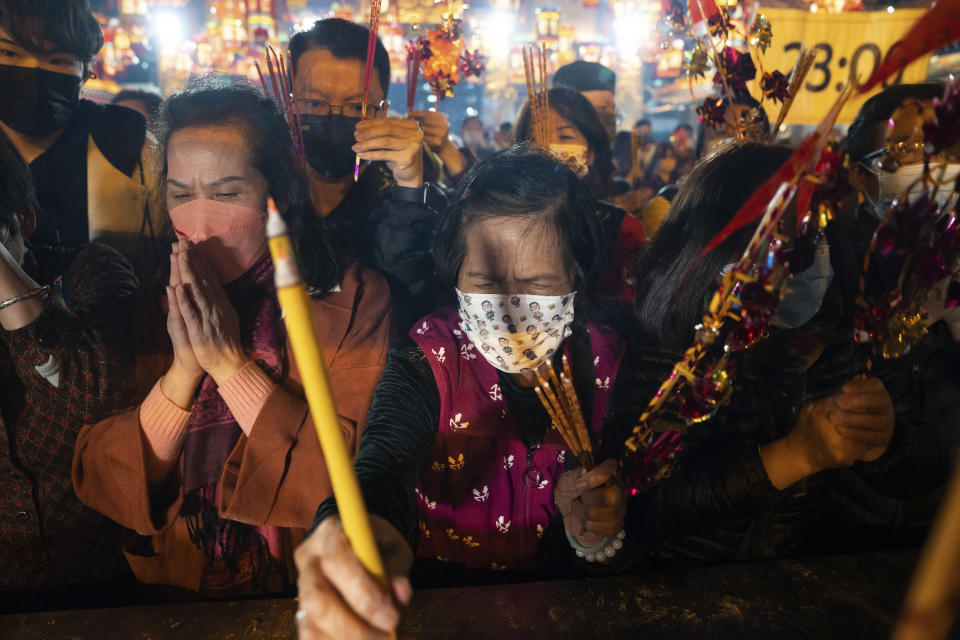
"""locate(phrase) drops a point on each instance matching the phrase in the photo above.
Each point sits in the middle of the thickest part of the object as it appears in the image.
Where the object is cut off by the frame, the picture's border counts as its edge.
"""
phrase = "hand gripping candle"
(295, 303)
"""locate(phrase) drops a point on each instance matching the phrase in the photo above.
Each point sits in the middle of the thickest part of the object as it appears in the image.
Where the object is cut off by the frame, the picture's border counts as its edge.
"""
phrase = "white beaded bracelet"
(603, 551)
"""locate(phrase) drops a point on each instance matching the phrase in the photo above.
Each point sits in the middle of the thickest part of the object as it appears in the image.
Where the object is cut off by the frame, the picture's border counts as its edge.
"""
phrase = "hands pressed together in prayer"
(338, 597)
(856, 424)
(202, 324)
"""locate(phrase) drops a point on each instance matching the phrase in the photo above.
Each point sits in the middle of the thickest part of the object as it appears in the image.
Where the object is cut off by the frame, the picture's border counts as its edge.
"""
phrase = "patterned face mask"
(515, 333)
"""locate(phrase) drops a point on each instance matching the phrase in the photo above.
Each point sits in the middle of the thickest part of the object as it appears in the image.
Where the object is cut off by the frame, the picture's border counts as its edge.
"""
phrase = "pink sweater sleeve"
(245, 394)
(164, 424)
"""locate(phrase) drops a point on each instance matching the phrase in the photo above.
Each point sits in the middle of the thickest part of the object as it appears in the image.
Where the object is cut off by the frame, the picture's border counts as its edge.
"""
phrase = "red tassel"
(701, 10)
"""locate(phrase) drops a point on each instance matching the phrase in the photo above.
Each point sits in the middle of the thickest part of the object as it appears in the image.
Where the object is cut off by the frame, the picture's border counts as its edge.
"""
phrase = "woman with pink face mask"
(218, 467)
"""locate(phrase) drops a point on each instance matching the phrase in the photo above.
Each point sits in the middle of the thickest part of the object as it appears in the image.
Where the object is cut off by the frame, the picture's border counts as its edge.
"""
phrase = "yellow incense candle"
(295, 303)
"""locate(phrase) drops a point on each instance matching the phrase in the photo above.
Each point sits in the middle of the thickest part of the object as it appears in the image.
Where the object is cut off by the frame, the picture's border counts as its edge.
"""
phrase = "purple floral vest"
(474, 506)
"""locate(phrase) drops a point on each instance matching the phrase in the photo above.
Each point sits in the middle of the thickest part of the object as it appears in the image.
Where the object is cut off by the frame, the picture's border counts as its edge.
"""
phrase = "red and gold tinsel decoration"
(745, 300)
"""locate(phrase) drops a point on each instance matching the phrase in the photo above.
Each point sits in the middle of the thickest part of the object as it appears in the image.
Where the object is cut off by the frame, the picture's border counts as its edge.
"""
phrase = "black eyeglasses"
(349, 110)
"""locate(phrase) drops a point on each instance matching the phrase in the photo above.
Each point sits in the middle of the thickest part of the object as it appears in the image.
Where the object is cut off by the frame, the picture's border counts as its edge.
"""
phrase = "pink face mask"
(231, 238)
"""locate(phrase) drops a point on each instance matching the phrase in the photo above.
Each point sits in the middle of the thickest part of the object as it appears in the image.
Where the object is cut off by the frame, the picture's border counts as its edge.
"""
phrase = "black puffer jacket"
(719, 505)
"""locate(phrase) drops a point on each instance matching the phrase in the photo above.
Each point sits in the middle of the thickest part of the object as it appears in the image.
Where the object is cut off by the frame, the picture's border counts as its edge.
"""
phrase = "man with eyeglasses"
(385, 217)
(87, 160)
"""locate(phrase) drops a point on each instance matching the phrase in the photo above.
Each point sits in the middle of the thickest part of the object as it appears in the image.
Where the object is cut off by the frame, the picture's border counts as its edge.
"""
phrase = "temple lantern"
(261, 22)
(133, 7)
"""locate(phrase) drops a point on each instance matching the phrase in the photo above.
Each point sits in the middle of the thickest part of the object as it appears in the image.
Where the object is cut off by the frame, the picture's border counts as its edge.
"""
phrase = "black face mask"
(37, 102)
(328, 141)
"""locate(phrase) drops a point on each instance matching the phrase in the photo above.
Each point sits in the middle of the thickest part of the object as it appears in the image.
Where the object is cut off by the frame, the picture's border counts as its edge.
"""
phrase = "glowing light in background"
(168, 28)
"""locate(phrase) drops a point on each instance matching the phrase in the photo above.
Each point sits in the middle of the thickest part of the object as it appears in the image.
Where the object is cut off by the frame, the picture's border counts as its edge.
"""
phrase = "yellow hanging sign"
(852, 44)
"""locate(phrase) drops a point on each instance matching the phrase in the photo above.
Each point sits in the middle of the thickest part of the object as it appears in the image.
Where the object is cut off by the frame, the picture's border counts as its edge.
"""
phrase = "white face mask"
(515, 333)
(894, 185)
(805, 291)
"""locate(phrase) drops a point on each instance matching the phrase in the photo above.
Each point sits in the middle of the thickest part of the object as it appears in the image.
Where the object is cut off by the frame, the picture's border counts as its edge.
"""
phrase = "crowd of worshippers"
(156, 444)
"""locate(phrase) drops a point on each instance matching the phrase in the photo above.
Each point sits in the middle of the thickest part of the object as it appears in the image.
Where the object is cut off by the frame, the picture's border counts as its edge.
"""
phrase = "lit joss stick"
(374, 27)
(295, 304)
(413, 73)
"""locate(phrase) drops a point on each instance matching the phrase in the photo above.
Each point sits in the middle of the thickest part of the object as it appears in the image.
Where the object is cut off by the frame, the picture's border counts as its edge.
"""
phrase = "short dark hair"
(523, 181)
(346, 41)
(673, 282)
(506, 127)
(69, 24)
(574, 107)
(209, 103)
(643, 122)
(863, 132)
(152, 101)
(17, 193)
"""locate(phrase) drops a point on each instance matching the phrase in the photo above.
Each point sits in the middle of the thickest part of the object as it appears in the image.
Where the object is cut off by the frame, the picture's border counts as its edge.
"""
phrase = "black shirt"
(60, 177)
(60, 172)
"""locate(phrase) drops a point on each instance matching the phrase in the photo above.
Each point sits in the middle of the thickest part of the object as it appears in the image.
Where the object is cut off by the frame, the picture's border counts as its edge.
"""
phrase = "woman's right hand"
(176, 328)
(338, 597)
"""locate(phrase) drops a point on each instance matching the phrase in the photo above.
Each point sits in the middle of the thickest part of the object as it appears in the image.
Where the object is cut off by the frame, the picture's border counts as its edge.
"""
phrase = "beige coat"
(117, 204)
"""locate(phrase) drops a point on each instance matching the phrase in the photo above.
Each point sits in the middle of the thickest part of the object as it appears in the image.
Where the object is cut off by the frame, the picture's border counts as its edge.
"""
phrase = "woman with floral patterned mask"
(458, 463)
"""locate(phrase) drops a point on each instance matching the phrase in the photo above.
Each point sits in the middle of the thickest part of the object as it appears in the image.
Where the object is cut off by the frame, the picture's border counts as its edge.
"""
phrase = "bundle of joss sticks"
(535, 69)
(413, 76)
(280, 90)
(559, 398)
(368, 69)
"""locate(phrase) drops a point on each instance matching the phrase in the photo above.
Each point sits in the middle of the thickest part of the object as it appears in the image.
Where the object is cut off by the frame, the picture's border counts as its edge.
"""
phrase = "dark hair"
(643, 122)
(864, 136)
(506, 127)
(523, 181)
(346, 41)
(69, 24)
(152, 101)
(659, 152)
(746, 100)
(580, 113)
(672, 283)
(209, 104)
(17, 193)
